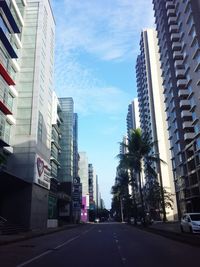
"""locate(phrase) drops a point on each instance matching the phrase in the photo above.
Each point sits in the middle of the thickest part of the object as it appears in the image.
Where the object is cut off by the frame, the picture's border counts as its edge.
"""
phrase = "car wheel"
(182, 231)
(191, 230)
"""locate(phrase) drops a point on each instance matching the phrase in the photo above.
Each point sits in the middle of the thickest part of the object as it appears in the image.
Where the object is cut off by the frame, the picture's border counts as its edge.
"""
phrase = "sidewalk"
(173, 226)
(7, 239)
(172, 231)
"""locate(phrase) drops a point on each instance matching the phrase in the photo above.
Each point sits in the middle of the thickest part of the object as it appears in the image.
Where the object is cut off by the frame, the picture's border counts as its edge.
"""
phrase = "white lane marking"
(33, 259)
(86, 231)
(67, 242)
(47, 252)
(123, 259)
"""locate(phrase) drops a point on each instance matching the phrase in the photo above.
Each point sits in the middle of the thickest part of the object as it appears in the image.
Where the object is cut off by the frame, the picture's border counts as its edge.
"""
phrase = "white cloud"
(90, 95)
(104, 28)
(108, 30)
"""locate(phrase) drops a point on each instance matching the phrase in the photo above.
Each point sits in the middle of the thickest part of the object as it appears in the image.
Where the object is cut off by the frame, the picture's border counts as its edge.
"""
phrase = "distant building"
(66, 158)
(132, 118)
(91, 186)
(54, 162)
(77, 186)
(84, 178)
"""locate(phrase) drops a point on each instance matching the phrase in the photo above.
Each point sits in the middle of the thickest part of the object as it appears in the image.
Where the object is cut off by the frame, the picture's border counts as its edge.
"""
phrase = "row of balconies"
(9, 43)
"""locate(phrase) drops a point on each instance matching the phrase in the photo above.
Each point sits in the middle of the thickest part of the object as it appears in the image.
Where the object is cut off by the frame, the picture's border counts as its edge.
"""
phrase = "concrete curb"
(31, 235)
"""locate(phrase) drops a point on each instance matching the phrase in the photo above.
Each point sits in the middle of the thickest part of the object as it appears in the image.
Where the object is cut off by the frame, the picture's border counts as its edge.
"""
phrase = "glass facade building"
(11, 23)
(66, 143)
(30, 66)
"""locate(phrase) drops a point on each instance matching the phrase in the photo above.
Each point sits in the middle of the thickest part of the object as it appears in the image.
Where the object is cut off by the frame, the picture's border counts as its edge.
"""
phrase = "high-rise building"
(75, 146)
(177, 24)
(95, 190)
(77, 187)
(92, 187)
(66, 157)
(55, 164)
(30, 161)
(83, 174)
(132, 118)
(11, 24)
(152, 112)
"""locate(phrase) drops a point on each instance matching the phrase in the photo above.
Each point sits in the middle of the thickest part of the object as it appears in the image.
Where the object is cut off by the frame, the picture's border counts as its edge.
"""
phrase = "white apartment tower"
(152, 109)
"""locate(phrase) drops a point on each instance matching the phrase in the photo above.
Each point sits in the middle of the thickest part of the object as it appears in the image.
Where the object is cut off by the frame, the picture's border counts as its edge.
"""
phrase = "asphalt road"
(100, 245)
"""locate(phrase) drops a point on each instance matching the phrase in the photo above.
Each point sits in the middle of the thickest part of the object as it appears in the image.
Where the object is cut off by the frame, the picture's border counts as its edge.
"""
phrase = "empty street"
(99, 245)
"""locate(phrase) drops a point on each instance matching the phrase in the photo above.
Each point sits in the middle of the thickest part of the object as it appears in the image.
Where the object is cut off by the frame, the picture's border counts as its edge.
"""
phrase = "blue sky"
(97, 42)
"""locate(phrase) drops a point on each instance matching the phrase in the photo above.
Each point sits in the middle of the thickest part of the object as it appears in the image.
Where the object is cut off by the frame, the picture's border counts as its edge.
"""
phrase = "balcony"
(185, 104)
(186, 115)
(174, 29)
(177, 55)
(170, 5)
(171, 12)
(172, 20)
(179, 64)
(7, 44)
(182, 83)
(6, 76)
(52, 158)
(11, 120)
(9, 17)
(187, 125)
(13, 91)
(55, 142)
(180, 73)
(183, 93)
(175, 37)
(188, 136)
(5, 108)
(176, 46)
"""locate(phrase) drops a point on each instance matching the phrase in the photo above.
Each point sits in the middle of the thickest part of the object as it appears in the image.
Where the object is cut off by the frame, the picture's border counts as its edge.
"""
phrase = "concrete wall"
(39, 207)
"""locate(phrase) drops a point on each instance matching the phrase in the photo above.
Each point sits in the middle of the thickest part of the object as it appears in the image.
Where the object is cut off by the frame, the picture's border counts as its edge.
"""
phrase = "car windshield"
(195, 217)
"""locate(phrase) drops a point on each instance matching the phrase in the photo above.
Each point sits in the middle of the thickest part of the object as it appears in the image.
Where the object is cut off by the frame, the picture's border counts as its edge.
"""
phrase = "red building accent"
(4, 109)
(6, 76)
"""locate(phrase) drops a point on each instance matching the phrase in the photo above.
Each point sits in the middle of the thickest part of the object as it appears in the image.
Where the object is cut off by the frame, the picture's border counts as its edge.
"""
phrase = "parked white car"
(190, 222)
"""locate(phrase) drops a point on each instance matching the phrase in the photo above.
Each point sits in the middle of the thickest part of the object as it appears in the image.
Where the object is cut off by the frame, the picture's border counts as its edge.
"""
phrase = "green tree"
(121, 203)
(153, 196)
(138, 150)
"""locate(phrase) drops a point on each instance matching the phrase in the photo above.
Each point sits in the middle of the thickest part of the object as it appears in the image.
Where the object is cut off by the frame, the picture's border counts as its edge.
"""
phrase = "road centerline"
(48, 252)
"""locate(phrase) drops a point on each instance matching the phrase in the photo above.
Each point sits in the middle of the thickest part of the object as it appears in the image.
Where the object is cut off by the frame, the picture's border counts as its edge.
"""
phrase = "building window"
(40, 126)
(198, 143)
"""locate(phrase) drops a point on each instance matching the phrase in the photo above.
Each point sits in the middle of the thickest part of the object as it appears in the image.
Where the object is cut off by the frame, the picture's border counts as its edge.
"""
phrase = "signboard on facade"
(42, 172)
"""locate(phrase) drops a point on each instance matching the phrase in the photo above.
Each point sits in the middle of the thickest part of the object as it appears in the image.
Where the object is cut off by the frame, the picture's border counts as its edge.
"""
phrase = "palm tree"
(121, 197)
(139, 149)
